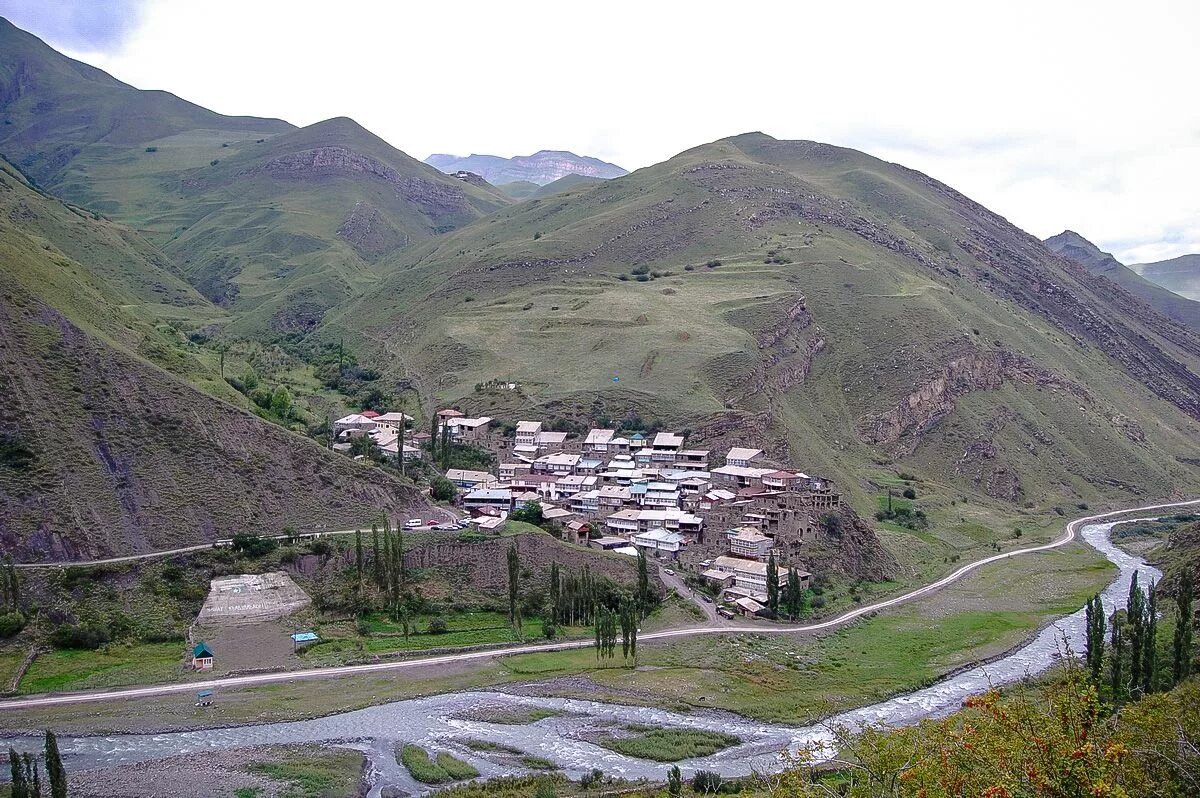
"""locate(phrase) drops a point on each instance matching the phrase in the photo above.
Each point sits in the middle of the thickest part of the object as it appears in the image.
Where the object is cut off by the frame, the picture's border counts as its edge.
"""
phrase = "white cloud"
(1064, 114)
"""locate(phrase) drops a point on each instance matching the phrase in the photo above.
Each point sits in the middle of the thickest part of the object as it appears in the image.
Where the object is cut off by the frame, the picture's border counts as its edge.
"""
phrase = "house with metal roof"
(202, 657)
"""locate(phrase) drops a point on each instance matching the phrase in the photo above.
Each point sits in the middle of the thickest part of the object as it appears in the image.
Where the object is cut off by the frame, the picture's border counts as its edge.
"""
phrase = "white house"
(597, 440)
(496, 499)
(527, 432)
(354, 421)
(469, 479)
(393, 420)
(660, 541)
(748, 542)
(739, 456)
(557, 463)
(748, 574)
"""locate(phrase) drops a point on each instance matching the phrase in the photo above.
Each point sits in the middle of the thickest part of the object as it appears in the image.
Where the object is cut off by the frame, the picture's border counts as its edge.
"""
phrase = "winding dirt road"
(1069, 535)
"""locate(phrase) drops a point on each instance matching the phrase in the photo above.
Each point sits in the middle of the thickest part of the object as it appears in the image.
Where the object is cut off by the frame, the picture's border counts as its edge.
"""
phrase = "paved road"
(676, 583)
(353, 670)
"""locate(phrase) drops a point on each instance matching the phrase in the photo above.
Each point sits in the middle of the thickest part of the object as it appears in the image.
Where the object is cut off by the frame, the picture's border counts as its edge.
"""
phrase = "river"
(442, 722)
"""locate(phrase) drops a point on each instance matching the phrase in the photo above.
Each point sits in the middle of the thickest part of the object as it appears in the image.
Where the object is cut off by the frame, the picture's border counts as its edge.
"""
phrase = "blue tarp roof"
(304, 637)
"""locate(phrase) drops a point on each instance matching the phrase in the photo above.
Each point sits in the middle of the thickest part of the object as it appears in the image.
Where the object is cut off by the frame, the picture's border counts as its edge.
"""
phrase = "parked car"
(707, 598)
(413, 523)
(668, 572)
(433, 522)
(447, 527)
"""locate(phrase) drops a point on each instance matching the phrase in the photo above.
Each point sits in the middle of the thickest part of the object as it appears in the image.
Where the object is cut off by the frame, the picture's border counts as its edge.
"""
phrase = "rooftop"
(598, 436)
(741, 453)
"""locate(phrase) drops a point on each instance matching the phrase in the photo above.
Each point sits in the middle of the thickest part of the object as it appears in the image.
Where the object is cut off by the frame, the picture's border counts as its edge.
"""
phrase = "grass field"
(315, 773)
(140, 663)
(787, 679)
(442, 769)
(667, 744)
(464, 629)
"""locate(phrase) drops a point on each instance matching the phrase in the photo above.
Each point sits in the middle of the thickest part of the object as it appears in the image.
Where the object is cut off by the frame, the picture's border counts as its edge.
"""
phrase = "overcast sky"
(1056, 114)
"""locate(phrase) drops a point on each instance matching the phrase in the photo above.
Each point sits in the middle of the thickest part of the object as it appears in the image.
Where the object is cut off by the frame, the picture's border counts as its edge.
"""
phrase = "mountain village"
(721, 519)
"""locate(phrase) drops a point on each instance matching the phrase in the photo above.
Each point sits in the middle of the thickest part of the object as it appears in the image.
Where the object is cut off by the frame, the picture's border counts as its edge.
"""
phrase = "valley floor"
(784, 678)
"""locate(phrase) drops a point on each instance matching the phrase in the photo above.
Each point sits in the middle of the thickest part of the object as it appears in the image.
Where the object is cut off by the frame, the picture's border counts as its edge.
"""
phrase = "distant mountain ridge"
(541, 168)
(1181, 275)
(1172, 304)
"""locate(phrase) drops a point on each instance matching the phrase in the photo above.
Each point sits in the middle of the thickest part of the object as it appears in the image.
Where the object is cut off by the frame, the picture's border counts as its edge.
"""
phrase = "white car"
(413, 523)
(668, 572)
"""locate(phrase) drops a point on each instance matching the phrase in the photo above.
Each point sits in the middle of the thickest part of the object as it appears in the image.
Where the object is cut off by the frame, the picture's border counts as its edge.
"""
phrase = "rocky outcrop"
(935, 398)
(437, 200)
(370, 232)
(849, 546)
(980, 464)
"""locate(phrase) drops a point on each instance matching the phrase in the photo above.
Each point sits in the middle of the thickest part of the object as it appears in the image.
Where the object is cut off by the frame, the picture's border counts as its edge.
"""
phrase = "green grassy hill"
(1071, 245)
(282, 222)
(105, 445)
(58, 114)
(855, 315)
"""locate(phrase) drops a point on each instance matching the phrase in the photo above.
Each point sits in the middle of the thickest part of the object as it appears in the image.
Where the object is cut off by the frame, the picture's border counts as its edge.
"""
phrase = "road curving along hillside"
(1069, 535)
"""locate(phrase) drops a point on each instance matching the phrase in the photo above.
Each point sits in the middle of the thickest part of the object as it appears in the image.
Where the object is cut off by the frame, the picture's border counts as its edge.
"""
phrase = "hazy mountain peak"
(540, 168)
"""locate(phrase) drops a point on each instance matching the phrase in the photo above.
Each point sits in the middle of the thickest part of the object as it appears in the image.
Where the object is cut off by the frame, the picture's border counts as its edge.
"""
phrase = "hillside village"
(725, 520)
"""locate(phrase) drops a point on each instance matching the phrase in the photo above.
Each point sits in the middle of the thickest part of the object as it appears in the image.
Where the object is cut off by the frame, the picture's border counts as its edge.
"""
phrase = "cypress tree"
(772, 584)
(358, 556)
(674, 782)
(1136, 613)
(1118, 659)
(433, 440)
(33, 780)
(514, 589)
(555, 593)
(18, 787)
(1095, 634)
(1181, 649)
(400, 445)
(376, 559)
(643, 596)
(445, 447)
(1150, 650)
(54, 768)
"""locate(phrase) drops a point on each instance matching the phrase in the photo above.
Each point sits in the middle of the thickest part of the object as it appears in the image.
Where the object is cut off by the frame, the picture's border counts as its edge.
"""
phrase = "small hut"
(202, 657)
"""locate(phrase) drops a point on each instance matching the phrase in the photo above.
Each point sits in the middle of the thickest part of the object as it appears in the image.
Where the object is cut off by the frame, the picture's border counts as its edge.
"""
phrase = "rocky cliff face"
(935, 398)
(439, 201)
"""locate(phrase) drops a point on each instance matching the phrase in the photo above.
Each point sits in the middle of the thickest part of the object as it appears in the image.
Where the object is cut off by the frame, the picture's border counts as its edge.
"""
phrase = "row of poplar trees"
(26, 772)
(1132, 642)
(386, 568)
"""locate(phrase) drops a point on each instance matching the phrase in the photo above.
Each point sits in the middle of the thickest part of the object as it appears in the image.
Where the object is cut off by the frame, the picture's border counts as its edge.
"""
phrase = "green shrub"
(438, 626)
(11, 623)
(442, 489)
(909, 493)
(80, 637)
